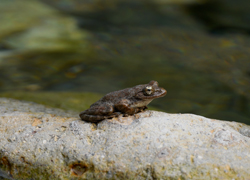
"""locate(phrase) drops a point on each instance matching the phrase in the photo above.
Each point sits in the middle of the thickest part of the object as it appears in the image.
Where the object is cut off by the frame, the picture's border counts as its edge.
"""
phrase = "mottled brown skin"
(126, 102)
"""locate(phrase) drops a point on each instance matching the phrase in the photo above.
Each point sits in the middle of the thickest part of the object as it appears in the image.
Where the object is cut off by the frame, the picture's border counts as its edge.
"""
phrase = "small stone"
(55, 138)
(63, 128)
(36, 122)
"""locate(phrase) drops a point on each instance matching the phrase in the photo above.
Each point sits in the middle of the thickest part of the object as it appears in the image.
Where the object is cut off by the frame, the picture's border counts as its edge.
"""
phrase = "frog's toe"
(115, 114)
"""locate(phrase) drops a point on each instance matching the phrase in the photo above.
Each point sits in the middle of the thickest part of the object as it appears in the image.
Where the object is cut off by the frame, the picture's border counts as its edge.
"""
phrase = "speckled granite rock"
(44, 143)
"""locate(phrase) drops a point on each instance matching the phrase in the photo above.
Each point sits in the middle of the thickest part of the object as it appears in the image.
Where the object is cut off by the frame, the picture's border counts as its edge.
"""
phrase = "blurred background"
(69, 53)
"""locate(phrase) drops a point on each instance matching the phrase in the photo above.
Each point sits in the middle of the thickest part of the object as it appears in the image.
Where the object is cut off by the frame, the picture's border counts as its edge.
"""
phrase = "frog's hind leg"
(91, 118)
(97, 113)
(96, 118)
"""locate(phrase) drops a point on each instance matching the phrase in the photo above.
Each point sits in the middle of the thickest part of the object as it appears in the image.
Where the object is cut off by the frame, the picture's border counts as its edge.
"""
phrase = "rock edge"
(45, 143)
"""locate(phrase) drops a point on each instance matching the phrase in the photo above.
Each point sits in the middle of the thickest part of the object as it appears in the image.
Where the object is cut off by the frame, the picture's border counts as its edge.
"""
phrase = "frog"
(123, 102)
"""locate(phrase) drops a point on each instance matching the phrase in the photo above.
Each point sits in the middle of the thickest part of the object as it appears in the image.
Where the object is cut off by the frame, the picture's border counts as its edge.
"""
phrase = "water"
(204, 73)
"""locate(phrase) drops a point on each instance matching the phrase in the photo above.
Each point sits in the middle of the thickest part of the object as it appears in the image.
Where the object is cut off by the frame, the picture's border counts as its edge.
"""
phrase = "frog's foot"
(125, 115)
(141, 109)
(135, 111)
(114, 114)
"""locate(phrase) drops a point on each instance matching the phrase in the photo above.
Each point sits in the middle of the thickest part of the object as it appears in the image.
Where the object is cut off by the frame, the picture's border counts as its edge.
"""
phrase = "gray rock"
(245, 131)
(44, 143)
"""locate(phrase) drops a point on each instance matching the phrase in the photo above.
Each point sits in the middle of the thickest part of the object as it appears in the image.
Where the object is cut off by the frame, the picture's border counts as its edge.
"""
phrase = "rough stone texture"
(44, 143)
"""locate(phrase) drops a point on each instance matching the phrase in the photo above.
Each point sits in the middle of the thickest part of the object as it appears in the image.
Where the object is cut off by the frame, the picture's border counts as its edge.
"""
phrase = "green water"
(44, 52)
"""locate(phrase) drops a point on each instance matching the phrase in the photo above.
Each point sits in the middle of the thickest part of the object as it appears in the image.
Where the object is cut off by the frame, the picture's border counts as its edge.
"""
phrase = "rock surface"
(45, 143)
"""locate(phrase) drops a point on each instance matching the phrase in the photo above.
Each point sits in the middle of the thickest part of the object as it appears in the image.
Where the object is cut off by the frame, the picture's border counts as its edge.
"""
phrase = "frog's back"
(116, 96)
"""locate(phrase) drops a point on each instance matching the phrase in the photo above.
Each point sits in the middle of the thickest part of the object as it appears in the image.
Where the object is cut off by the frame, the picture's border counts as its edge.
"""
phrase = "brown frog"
(127, 102)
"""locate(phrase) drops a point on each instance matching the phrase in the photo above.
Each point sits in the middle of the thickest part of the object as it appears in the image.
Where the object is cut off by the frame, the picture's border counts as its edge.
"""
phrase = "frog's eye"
(148, 90)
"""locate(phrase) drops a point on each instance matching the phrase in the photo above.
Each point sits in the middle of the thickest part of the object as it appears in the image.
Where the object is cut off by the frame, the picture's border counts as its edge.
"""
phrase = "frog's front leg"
(127, 108)
(97, 113)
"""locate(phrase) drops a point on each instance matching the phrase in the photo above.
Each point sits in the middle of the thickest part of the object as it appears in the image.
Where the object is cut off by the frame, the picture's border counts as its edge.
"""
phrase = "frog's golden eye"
(148, 90)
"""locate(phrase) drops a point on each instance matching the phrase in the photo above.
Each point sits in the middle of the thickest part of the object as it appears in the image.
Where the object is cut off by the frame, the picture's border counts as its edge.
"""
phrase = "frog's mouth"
(160, 92)
(145, 100)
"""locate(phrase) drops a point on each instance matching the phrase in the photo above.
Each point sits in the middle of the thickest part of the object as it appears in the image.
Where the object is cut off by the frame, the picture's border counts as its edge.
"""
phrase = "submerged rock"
(33, 27)
(44, 143)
